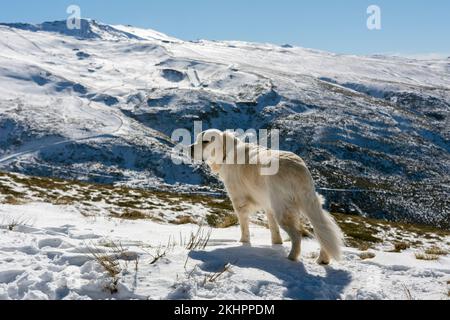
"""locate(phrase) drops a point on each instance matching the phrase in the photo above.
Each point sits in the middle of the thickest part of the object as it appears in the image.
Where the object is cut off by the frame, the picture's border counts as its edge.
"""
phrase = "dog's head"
(217, 148)
(212, 147)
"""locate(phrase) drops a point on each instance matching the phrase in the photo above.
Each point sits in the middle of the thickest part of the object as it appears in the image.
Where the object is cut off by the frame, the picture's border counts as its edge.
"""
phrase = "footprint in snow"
(9, 276)
(50, 242)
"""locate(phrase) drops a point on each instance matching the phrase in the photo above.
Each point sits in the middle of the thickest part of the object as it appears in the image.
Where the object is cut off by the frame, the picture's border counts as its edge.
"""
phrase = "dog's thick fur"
(285, 197)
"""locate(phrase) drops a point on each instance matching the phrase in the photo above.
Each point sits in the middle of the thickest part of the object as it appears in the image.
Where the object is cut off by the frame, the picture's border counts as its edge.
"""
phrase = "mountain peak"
(91, 29)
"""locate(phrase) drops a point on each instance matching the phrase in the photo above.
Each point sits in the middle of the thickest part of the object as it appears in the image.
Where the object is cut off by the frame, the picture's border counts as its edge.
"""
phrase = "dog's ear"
(225, 139)
(229, 144)
(212, 146)
(216, 149)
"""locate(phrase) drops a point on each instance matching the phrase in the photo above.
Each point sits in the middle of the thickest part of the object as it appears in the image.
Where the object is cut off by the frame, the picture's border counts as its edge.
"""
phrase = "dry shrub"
(425, 256)
(436, 251)
(222, 221)
(400, 246)
(366, 255)
(184, 220)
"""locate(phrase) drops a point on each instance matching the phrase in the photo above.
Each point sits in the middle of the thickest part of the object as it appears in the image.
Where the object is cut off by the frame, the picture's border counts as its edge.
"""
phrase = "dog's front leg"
(274, 228)
(243, 213)
(245, 231)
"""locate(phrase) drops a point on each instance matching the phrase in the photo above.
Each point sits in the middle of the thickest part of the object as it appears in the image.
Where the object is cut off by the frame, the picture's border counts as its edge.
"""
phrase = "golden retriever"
(285, 195)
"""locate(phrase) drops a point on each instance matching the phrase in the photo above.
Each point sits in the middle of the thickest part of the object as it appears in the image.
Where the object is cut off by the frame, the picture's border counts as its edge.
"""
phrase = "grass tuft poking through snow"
(12, 223)
(162, 250)
(199, 239)
(110, 263)
(216, 275)
(407, 292)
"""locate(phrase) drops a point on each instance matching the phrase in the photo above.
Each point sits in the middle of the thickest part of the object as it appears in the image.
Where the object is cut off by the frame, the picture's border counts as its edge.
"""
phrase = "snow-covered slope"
(51, 258)
(67, 240)
(100, 104)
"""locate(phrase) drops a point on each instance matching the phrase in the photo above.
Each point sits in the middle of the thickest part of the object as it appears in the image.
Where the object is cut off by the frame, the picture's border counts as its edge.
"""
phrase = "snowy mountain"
(99, 104)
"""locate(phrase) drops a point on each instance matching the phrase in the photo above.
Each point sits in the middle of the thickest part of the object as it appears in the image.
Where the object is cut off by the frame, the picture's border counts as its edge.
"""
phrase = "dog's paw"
(323, 259)
(323, 262)
(293, 257)
(277, 241)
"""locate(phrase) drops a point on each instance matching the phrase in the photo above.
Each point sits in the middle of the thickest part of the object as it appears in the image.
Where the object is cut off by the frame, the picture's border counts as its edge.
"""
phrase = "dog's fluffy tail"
(326, 230)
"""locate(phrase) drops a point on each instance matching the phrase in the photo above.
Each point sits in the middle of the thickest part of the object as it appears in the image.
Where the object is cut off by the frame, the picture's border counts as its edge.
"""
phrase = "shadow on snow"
(298, 282)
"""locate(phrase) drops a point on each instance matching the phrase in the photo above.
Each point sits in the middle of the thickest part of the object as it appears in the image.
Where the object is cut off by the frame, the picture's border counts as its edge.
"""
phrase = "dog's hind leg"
(274, 228)
(290, 223)
(324, 257)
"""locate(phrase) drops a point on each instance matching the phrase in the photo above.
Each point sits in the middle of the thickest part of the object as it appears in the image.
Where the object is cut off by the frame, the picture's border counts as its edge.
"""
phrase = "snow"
(48, 256)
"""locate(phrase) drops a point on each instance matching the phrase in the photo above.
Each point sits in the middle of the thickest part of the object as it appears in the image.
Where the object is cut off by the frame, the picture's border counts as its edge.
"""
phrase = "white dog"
(286, 196)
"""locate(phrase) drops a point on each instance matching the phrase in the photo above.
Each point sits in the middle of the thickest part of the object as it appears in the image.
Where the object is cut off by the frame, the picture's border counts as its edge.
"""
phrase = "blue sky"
(408, 26)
